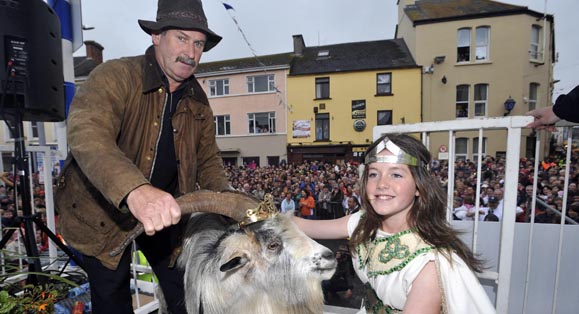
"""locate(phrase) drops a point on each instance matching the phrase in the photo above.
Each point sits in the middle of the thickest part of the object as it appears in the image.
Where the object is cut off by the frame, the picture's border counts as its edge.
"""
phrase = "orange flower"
(42, 306)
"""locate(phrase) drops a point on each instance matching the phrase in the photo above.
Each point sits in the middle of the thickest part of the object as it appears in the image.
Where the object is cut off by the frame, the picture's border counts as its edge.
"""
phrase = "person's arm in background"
(565, 108)
(4, 176)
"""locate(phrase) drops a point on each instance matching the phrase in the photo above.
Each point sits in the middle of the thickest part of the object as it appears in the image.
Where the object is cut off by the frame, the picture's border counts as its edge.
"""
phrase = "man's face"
(178, 53)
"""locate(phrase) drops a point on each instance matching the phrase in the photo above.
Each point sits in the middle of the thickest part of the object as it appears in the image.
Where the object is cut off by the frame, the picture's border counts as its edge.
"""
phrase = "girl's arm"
(425, 296)
(324, 229)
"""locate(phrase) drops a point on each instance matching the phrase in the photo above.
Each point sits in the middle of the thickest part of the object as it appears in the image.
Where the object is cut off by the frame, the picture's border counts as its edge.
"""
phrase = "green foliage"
(37, 299)
(32, 299)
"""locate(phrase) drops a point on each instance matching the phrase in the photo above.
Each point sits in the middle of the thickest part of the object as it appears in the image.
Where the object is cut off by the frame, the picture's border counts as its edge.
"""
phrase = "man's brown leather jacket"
(113, 127)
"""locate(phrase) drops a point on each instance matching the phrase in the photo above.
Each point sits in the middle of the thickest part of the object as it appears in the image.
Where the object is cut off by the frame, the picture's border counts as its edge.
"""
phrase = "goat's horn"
(232, 204)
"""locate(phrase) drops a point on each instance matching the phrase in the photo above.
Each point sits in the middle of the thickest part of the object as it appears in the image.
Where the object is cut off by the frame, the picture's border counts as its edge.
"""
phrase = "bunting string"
(229, 9)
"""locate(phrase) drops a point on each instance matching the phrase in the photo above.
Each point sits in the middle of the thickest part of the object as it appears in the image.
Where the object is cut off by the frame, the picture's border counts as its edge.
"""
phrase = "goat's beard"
(189, 61)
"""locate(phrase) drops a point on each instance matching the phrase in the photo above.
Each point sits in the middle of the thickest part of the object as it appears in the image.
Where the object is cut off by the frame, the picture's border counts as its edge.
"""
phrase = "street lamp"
(509, 105)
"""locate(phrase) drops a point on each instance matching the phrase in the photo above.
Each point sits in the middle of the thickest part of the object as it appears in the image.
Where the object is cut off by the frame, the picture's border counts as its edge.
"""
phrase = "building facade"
(248, 98)
(480, 58)
(338, 93)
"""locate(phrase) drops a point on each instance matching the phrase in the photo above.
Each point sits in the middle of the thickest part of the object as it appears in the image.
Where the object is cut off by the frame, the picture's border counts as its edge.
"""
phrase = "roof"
(83, 66)
(282, 59)
(358, 56)
(432, 11)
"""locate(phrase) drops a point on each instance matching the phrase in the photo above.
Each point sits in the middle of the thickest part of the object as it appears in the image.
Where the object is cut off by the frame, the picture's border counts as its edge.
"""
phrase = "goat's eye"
(272, 246)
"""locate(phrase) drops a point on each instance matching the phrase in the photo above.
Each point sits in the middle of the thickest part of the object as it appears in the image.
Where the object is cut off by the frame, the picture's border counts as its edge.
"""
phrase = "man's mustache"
(189, 61)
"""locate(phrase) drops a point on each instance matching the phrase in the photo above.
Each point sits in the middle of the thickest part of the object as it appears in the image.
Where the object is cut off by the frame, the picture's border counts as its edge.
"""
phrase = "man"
(352, 205)
(140, 132)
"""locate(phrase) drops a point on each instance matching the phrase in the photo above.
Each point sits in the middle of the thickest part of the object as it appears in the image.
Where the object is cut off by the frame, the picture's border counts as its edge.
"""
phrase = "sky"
(268, 27)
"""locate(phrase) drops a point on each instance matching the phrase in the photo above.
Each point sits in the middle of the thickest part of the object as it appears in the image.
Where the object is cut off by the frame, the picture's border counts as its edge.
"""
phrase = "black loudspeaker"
(32, 82)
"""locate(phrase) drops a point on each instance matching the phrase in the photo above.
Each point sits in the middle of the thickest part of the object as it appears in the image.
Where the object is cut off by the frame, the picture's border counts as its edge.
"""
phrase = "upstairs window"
(260, 83)
(536, 36)
(384, 84)
(222, 125)
(219, 87)
(322, 127)
(482, 43)
(463, 45)
(462, 101)
(322, 88)
(481, 100)
(533, 95)
(262, 122)
(384, 117)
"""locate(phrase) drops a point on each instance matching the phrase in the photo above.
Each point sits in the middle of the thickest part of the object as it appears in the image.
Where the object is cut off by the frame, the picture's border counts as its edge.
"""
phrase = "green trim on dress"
(385, 255)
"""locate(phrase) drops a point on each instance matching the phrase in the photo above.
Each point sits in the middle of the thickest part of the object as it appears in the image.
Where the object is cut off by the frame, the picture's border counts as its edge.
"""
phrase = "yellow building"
(480, 59)
(336, 94)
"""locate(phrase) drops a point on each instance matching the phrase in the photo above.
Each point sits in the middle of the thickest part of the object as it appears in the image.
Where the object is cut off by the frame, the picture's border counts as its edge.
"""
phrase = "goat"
(266, 267)
(263, 265)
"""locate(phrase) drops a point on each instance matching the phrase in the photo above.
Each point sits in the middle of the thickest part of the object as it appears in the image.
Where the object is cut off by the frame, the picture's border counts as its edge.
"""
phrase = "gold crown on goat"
(265, 209)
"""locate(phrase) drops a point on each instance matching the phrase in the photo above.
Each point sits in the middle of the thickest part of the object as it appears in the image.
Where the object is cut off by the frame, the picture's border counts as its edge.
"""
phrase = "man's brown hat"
(181, 14)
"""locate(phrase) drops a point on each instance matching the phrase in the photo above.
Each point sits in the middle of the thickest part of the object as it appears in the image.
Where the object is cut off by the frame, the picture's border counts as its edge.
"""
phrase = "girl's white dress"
(389, 265)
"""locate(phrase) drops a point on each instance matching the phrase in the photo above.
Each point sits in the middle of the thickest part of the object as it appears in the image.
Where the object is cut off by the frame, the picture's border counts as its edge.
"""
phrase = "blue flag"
(227, 6)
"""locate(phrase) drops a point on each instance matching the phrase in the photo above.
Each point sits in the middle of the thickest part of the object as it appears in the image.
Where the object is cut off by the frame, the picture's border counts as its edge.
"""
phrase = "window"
(263, 122)
(461, 148)
(222, 125)
(273, 161)
(480, 100)
(219, 87)
(384, 84)
(482, 43)
(533, 95)
(462, 101)
(536, 34)
(322, 127)
(384, 117)
(463, 45)
(32, 131)
(475, 148)
(260, 83)
(322, 88)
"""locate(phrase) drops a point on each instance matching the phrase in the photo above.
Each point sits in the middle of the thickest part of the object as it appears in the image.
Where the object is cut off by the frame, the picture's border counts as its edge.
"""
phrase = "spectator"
(353, 205)
(287, 203)
(307, 204)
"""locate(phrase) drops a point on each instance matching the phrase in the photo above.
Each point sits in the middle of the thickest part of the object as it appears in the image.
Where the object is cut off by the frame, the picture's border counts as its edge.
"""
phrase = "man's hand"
(544, 118)
(154, 208)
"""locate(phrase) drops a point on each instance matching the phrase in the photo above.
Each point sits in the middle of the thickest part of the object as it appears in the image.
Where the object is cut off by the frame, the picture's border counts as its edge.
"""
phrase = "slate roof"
(282, 59)
(358, 56)
(433, 11)
(83, 66)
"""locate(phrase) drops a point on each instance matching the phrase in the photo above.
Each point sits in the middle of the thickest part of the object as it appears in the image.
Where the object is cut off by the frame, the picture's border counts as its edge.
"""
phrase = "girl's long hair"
(428, 213)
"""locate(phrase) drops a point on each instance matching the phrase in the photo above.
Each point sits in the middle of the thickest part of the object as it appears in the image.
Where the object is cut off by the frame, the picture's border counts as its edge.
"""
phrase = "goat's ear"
(234, 263)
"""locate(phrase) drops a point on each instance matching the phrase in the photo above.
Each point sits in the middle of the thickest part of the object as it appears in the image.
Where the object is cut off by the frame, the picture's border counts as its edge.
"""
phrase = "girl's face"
(391, 190)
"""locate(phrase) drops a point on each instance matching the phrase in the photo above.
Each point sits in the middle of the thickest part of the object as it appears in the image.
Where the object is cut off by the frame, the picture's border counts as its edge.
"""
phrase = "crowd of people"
(319, 190)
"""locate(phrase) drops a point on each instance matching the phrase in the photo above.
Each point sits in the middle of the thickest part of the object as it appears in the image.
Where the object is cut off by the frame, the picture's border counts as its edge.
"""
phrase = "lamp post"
(509, 105)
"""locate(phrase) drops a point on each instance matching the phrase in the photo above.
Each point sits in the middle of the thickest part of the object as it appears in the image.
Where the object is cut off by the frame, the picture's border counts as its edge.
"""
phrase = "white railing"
(533, 276)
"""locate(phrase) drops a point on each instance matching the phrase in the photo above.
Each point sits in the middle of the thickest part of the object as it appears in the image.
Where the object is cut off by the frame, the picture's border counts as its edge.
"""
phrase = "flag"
(227, 6)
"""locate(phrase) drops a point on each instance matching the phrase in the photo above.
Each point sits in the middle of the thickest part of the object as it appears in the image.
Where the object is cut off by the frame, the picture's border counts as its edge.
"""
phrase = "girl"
(405, 252)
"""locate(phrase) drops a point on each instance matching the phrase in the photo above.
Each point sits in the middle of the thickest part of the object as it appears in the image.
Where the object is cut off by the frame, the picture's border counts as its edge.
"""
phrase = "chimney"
(94, 51)
(299, 45)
